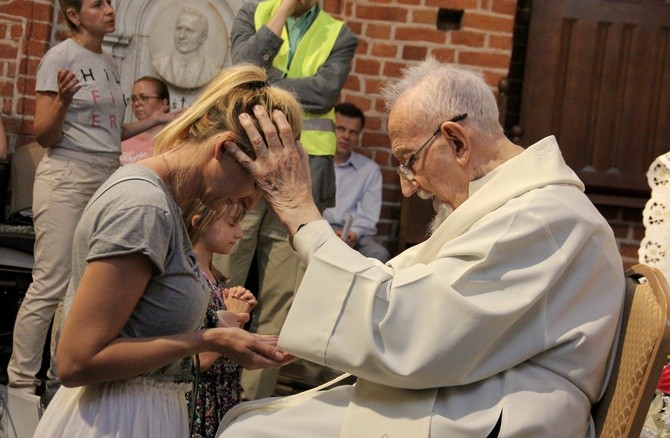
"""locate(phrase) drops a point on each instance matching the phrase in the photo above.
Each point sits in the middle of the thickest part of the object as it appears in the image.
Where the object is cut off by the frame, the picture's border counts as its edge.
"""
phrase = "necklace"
(168, 177)
(169, 169)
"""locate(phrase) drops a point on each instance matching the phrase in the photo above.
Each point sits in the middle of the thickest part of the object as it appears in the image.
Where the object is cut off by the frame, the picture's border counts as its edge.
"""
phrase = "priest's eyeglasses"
(405, 170)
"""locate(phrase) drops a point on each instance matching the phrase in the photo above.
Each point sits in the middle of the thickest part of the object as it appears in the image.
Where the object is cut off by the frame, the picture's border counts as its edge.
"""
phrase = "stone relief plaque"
(188, 43)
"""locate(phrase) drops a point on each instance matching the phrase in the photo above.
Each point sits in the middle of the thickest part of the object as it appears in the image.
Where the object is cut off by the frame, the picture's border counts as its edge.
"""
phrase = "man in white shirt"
(358, 180)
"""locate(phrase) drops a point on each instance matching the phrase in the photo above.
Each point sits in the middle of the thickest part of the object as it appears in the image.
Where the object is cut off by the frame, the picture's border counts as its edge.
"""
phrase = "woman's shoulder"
(135, 185)
(63, 51)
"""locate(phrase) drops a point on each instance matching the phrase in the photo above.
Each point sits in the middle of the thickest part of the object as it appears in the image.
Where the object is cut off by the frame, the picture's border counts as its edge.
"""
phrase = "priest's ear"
(457, 138)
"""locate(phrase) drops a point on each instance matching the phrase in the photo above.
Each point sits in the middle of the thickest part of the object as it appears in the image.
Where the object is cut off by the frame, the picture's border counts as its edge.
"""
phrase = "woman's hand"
(250, 350)
(68, 85)
(163, 115)
(281, 168)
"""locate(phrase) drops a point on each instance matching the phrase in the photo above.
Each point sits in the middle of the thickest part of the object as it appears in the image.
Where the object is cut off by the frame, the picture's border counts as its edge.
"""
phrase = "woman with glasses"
(79, 111)
(150, 98)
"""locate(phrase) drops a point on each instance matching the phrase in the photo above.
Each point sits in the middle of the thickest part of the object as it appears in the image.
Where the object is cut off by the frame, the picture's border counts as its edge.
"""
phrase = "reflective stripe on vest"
(318, 135)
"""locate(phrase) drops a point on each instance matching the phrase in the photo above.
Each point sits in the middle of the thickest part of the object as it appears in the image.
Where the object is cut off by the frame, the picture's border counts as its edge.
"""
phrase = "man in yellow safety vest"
(308, 52)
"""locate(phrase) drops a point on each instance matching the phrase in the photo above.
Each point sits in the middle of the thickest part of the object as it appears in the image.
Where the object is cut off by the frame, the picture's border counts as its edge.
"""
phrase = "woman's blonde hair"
(207, 216)
(235, 90)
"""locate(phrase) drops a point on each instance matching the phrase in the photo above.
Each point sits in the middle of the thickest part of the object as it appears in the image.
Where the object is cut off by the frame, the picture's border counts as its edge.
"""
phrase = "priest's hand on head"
(281, 168)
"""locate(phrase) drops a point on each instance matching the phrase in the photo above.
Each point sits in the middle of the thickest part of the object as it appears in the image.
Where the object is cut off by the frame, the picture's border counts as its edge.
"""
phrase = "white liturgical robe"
(508, 311)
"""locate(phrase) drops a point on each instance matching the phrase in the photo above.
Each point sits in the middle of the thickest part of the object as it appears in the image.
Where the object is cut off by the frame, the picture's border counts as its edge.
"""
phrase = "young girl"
(219, 383)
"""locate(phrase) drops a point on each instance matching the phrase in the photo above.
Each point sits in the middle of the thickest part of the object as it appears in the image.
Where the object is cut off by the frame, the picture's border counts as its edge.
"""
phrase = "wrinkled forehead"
(403, 125)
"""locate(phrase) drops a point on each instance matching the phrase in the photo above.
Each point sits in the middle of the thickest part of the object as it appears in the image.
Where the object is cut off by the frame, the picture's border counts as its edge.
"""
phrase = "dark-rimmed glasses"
(405, 170)
(142, 98)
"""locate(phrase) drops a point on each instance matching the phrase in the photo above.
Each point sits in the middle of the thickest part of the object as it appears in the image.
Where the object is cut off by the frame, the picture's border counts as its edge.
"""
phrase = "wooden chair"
(642, 350)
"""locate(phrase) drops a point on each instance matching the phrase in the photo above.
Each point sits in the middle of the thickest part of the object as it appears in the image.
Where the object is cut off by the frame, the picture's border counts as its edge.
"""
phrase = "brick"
(488, 22)
(12, 124)
(25, 85)
(425, 16)
(367, 67)
(390, 195)
(25, 105)
(8, 51)
(468, 38)
(381, 140)
(383, 158)
(373, 86)
(331, 6)
(28, 67)
(16, 31)
(371, 123)
(414, 53)
(444, 55)
(627, 250)
(7, 88)
(61, 35)
(378, 31)
(393, 69)
(484, 59)
(35, 48)
(424, 35)
(28, 9)
(362, 48)
(364, 104)
(352, 83)
(503, 42)
(11, 70)
(507, 7)
(26, 126)
(384, 50)
(453, 4)
(40, 31)
(3, 31)
(493, 78)
(380, 105)
(389, 177)
(355, 26)
(638, 232)
(381, 13)
(409, 2)
(620, 231)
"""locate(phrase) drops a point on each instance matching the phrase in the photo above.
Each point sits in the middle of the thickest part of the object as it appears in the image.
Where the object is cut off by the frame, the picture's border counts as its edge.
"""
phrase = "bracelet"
(299, 227)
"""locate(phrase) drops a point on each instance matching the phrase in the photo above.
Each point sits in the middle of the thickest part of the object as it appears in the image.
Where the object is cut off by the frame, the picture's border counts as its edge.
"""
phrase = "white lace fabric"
(655, 246)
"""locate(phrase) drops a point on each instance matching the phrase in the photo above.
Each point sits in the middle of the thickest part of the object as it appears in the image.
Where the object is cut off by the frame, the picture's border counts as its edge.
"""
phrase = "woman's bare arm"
(90, 350)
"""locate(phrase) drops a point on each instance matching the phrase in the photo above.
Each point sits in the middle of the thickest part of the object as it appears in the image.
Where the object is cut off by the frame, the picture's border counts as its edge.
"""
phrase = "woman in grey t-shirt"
(79, 110)
(135, 304)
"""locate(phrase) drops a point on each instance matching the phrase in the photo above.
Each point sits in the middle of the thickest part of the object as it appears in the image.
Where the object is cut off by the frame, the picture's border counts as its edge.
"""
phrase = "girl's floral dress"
(219, 387)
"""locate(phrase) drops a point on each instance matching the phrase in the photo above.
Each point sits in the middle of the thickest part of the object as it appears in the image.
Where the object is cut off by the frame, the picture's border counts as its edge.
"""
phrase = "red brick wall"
(25, 34)
(393, 34)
